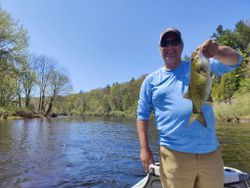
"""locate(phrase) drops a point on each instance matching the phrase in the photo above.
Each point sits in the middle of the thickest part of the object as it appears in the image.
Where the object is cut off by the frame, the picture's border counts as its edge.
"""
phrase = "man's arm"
(146, 155)
(224, 54)
(227, 55)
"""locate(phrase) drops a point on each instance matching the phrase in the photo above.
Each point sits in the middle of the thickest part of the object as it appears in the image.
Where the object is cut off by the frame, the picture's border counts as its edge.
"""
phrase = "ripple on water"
(90, 153)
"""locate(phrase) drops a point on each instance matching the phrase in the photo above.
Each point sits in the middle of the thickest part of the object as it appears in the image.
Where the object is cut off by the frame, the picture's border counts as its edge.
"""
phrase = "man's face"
(171, 49)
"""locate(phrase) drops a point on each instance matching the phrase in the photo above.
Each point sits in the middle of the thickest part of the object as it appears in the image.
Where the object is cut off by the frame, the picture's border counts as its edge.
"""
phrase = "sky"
(101, 42)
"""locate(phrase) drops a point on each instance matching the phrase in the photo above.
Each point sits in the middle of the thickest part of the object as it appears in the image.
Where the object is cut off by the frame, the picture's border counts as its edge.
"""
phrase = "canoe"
(233, 178)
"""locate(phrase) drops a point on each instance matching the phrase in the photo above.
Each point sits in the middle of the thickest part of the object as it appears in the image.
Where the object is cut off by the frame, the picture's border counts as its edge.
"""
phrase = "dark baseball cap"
(168, 31)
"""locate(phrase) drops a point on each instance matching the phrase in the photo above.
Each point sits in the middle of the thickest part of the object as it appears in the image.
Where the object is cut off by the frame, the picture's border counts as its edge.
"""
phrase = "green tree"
(13, 45)
(28, 78)
(243, 36)
(59, 84)
(238, 39)
(13, 38)
(105, 105)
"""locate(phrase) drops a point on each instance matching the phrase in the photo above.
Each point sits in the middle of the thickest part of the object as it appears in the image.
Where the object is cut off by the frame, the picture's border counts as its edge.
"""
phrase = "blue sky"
(101, 42)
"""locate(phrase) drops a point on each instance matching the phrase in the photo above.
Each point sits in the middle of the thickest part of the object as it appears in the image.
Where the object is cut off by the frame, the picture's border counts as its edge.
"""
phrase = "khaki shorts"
(186, 170)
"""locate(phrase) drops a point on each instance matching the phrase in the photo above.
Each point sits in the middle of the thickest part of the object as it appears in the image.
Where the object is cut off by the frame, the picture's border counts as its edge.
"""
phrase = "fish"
(200, 85)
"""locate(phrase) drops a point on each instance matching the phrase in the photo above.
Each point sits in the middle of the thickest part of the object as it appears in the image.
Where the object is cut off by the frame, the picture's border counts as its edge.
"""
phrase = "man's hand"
(224, 54)
(146, 157)
(210, 48)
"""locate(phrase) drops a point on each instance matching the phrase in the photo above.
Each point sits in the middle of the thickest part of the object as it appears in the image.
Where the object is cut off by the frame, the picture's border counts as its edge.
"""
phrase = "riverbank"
(20, 114)
(237, 111)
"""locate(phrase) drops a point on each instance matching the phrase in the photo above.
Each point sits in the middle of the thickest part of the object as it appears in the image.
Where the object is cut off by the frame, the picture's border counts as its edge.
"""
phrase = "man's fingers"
(209, 48)
(146, 167)
(205, 48)
(146, 157)
(208, 54)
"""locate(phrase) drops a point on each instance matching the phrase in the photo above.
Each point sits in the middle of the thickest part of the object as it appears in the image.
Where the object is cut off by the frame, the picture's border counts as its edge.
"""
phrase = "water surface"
(90, 153)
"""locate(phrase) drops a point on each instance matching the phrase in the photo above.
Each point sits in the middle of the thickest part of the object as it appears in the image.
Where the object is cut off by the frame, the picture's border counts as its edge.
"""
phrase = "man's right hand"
(147, 158)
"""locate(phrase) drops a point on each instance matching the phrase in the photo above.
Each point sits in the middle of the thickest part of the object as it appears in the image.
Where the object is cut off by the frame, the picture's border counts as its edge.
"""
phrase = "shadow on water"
(235, 144)
(90, 152)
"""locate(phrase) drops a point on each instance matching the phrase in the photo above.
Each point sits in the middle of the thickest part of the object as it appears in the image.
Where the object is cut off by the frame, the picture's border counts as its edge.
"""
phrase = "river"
(90, 153)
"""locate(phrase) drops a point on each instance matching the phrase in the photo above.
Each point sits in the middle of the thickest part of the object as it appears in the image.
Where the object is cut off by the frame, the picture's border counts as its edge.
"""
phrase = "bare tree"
(44, 66)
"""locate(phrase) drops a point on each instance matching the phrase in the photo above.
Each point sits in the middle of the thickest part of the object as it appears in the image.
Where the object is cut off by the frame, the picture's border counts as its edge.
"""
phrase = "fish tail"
(199, 117)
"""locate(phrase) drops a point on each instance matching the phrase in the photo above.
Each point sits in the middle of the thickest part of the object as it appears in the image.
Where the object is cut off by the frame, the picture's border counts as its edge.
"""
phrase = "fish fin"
(192, 118)
(209, 99)
(199, 117)
(187, 95)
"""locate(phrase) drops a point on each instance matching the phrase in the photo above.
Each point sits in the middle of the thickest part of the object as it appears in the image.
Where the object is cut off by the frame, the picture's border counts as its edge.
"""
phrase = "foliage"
(13, 38)
(228, 85)
(13, 44)
(21, 75)
(121, 99)
(118, 100)
(27, 79)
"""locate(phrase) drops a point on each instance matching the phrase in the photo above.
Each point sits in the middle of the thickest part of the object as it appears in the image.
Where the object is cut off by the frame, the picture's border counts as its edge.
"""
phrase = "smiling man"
(171, 48)
(189, 154)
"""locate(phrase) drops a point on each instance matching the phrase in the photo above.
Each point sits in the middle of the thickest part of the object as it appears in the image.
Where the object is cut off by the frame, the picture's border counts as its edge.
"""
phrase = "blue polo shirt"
(162, 93)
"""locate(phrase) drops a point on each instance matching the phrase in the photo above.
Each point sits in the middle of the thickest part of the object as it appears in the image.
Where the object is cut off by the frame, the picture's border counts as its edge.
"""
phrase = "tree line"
(37, 83)
(121, 99)
(118, 100)
(238, 81)
(24, 75)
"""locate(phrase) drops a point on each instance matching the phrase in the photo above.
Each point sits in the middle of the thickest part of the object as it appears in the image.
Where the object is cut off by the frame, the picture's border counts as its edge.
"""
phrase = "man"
(189, 154)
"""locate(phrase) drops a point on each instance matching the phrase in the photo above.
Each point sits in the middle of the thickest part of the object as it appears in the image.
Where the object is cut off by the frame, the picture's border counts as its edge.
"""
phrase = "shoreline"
(25, 116)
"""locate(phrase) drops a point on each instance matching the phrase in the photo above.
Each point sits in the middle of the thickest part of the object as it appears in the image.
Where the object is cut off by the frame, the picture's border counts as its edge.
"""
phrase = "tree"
(59, 85)
(116, 97)
(13, 38)
(238, 39)
(229, 87)
(13, 45)
(43, 66)
(243, 36)
(8, 89)
(105, 105)
(28, 78)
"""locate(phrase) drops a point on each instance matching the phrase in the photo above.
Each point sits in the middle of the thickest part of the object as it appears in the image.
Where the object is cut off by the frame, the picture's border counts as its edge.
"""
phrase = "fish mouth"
(202, 57)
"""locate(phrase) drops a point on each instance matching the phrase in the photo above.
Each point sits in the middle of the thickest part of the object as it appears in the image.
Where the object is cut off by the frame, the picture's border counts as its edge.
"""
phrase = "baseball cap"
(169, 31)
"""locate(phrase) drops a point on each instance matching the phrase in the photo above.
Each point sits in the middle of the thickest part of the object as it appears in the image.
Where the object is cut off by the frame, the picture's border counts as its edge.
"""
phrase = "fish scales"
(200, 85)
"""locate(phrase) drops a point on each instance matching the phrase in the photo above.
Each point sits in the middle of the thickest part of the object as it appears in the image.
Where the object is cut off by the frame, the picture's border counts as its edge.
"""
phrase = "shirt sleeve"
(145, 100)
(218, 68)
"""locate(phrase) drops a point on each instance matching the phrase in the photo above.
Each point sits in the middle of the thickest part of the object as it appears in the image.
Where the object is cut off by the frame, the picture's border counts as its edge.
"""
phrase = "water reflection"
(235, 144)
(96, 153)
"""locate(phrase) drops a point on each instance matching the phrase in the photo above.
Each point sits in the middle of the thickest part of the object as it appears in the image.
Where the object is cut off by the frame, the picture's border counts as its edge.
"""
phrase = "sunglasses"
(166, 43)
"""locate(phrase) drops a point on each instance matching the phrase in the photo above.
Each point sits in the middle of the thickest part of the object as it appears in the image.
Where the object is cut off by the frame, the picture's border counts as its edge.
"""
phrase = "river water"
(90, 153)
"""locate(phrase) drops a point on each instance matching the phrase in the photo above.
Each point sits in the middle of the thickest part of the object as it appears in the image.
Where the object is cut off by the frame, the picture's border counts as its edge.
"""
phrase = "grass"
(239, 110)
